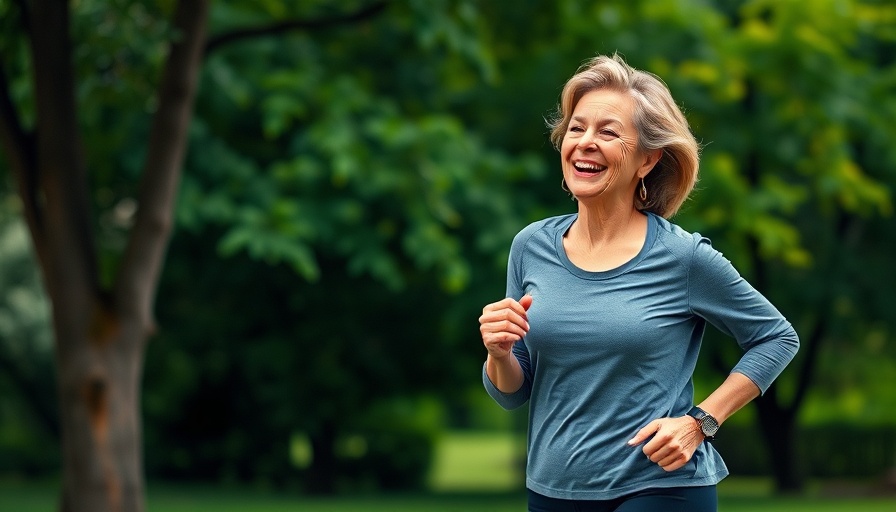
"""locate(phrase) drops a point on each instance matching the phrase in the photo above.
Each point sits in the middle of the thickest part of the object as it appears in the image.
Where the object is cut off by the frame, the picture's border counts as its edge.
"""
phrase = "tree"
(102, 298)
(100, 328)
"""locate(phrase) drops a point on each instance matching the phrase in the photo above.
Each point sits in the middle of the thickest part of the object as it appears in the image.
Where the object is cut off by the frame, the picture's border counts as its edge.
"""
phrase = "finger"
(662, 444)
(510, 304)
(500, 339)
(504, 331)
(644, 433)
(673, 462)
(658, 453)
(506, 303)
(505, 319)
(502, 315)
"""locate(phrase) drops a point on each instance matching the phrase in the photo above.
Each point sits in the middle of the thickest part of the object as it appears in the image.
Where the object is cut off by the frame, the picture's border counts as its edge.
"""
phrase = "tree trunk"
(777, 422)
(99, 366)
(778, 427)
(100, 334)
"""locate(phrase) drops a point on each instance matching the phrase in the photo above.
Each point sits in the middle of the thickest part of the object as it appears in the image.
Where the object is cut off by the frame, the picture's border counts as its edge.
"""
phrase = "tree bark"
(777, 421)
(778, 427)
(100, 335)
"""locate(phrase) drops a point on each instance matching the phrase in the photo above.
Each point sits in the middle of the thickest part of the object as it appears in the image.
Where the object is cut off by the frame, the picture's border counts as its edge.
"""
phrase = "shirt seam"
(686, 266)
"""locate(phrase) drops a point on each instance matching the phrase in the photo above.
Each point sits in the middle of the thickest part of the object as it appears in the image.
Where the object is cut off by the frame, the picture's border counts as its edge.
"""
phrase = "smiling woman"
(653, 121)
(606, 307)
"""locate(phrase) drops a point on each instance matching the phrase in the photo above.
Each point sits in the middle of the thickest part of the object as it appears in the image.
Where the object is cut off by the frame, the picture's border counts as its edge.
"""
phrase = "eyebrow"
(606, 120)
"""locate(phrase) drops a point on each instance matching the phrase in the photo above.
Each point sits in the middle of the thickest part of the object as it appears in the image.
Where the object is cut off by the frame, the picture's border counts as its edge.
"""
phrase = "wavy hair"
(659, 122)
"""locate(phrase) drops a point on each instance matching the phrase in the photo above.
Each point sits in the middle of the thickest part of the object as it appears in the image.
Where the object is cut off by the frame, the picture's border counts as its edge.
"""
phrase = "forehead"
(605, 104)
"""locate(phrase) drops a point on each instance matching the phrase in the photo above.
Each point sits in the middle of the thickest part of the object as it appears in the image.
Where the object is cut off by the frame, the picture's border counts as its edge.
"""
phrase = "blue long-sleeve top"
(608, 352)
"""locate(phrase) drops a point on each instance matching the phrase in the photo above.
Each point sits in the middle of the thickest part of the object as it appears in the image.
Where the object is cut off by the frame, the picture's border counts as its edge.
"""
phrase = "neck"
(597, 226)
(599, 240)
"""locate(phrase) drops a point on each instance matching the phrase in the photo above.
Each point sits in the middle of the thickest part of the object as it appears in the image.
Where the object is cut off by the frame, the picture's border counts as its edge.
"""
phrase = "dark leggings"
(674, 499)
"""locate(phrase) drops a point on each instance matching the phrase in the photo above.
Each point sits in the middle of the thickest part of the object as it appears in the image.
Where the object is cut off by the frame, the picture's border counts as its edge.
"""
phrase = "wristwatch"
(708, 425)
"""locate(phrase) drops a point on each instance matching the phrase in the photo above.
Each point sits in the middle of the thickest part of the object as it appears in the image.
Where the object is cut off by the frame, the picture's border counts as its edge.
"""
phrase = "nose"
(588, 141)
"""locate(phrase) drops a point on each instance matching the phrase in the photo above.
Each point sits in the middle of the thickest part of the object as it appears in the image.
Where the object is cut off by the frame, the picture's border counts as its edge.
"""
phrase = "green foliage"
(27, 414)
(363, 170)
(352, 188)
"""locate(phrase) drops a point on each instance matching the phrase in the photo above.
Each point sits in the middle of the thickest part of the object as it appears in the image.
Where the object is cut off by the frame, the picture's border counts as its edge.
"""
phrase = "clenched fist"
(503, 323)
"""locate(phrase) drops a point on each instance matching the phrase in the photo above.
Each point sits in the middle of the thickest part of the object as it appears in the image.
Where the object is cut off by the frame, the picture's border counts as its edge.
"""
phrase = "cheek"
(566, 151)
(566, 146)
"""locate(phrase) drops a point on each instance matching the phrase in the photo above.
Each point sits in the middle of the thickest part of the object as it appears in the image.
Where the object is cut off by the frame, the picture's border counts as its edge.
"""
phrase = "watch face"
(709, 425)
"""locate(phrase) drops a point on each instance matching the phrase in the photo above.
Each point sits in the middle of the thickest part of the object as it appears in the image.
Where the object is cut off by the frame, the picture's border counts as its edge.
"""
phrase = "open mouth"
(588, 167)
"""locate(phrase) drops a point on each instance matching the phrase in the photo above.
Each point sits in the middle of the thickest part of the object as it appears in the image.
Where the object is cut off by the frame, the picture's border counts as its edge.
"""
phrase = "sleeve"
(717, 293)
(516, 290)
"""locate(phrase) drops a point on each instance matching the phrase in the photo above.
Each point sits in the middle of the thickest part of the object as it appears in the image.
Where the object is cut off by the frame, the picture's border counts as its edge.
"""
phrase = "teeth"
(589, 166)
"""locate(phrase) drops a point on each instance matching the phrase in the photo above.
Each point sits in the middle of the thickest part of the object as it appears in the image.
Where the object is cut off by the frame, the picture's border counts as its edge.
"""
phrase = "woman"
(606, 309)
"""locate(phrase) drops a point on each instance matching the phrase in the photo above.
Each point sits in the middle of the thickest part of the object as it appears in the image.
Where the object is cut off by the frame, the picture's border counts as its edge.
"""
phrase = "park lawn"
(186, 500)
(473, 472)
(31, 497)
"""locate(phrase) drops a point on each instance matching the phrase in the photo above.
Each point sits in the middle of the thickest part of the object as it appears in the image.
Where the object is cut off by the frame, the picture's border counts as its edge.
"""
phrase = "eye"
(609, 133)
(577, 129)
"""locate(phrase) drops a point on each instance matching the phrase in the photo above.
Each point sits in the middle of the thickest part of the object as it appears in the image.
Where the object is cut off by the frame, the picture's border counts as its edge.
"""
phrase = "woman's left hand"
(674, 441)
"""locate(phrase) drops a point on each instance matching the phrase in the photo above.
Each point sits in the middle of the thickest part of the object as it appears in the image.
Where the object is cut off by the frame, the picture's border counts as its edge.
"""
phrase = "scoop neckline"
(604, 274)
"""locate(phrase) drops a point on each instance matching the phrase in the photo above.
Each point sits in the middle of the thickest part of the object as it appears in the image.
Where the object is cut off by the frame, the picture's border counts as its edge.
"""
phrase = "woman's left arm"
(720, 295)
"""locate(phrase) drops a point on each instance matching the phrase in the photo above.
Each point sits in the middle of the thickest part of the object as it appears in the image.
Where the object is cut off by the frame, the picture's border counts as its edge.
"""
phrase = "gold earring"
(643, 191)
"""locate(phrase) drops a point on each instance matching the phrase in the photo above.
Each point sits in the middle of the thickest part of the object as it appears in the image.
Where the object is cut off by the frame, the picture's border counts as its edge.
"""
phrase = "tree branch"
(286, 26)
(70, 264)
(812, 348)
(144, 255)
(845, 225)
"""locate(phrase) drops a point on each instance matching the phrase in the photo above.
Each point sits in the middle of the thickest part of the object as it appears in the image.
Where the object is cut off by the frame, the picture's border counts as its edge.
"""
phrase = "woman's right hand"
(503, 323)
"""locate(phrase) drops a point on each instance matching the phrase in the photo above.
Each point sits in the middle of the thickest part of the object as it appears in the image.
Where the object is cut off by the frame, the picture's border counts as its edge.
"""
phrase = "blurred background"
(355, 173)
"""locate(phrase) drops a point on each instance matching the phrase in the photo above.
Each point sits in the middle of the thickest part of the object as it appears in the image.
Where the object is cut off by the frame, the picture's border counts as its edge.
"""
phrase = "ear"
(650, 160)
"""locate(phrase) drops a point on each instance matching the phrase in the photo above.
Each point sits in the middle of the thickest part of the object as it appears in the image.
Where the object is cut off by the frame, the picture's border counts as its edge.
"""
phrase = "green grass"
(478, 461)
(735, 496)
(474, 472)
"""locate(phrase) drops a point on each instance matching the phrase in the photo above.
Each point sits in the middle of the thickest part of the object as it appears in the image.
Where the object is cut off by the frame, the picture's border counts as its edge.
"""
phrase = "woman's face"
(599, 153)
